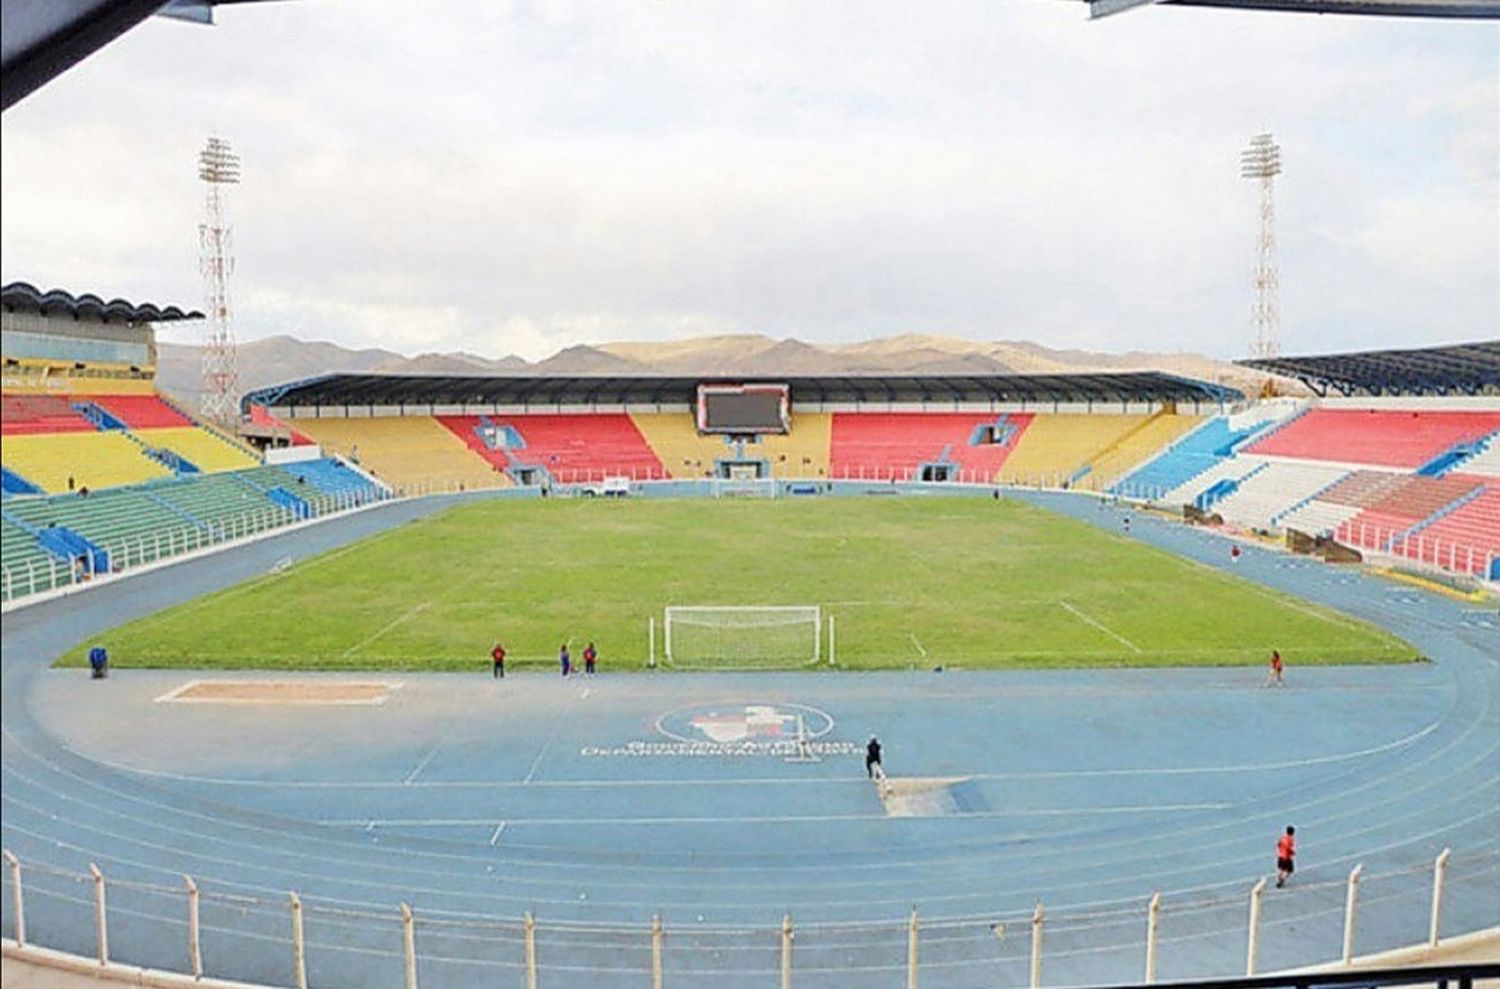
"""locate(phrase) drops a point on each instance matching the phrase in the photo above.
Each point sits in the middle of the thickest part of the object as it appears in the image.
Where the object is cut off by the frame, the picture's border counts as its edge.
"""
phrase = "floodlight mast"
(1262, 161)
(219, 399)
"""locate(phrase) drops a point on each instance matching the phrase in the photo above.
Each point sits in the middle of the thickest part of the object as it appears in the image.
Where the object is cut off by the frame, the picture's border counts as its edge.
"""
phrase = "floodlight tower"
(218, 166)
(1262, 161)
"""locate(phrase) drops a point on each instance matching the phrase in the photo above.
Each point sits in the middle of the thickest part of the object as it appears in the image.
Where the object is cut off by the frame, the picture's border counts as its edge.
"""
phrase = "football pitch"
(911, 582)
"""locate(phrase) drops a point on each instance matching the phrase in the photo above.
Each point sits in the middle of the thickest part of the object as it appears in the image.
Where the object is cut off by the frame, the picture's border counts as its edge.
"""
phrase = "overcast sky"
(515, 177)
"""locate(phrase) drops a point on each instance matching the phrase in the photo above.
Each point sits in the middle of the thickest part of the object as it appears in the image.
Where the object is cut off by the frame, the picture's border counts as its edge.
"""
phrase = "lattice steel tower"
(1262, 161)
(219, 399)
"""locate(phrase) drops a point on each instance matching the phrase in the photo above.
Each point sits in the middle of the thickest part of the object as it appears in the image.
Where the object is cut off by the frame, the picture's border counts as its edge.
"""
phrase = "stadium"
(1051, 597)
(961, 673)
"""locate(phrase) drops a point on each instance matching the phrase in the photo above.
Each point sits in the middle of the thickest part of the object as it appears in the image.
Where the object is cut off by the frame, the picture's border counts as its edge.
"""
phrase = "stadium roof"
(24, 297)
(1460, 369)
(397, 389)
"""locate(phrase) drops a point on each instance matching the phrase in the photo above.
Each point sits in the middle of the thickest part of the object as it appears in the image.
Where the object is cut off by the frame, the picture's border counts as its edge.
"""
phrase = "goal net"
(743, 637)
(744, 487)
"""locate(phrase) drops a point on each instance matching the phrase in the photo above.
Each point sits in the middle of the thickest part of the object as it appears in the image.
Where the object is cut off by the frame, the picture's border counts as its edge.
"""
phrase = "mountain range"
(279, 359)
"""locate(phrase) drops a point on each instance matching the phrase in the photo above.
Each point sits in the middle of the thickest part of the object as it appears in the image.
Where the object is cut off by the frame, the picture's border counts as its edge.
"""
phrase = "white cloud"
(512, 177)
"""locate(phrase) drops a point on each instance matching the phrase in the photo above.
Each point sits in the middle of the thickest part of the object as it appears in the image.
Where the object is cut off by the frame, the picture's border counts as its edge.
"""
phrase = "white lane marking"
(540, 754)
(452, 822)
(914, 642)
(1077, 612)
(1263, 767)
(415, 610)
(410, 777)
(495, 838)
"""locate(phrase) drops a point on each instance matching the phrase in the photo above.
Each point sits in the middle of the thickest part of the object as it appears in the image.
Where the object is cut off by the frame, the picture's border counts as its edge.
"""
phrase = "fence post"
(656, 951)
(195, 954)
(299, 944)
(1253, 948)
(101, 925)
(529, 926)
(786, 952)
(1153, 919)
(651, 635)
(832, 642)
(1036, 948)
(409, 945)
(17, 898)
(1439, 874)
(1350, 902)
(913, 938)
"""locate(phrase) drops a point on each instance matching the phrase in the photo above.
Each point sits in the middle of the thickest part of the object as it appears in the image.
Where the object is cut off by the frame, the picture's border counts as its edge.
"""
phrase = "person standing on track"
(1275, 678)
(872, 757)
(497, 657)
(565, 659)
(590, 654)
(1286, 851)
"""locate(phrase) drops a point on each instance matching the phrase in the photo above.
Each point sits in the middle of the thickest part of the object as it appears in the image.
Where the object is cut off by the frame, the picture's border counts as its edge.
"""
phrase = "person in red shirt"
(497, 656)
(1275, 678)
(1286, 851)
(1234, 553)
(590, 654)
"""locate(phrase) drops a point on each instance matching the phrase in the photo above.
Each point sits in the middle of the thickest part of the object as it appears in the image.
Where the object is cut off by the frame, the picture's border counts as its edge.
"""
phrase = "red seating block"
(26, 414)
(569, 447)
(141, 411)
(1371, 436)
(897, 442)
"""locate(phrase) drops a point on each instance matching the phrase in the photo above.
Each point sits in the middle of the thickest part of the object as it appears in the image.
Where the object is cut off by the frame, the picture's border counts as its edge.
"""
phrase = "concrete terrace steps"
(1264, 497)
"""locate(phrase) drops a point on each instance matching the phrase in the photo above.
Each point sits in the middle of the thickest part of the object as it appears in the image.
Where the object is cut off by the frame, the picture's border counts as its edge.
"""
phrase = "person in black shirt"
(872, 757)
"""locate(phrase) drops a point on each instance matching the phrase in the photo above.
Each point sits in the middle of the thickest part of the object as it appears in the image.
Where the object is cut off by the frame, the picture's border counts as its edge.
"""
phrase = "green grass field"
(911, 581)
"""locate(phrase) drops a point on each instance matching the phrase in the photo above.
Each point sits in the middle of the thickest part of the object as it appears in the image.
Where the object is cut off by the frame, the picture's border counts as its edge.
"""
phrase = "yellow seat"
(1054, 447)
(204, 450)
(406, 452)
(1136, 447)
(93, 460)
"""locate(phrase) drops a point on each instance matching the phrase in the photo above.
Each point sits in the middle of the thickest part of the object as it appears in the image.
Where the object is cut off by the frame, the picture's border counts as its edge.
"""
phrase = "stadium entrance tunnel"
(930, 796)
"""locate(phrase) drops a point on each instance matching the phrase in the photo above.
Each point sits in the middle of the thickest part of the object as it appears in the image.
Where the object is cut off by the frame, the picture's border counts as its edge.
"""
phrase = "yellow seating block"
(406, 452)
(1054, 447)
(206, 451)
(93, 460)
(673, 436)
(1139, 446)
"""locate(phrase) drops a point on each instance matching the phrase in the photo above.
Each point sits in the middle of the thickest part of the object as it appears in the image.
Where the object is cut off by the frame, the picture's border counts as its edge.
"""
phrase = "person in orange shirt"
(1275, 678)
(1286, 851)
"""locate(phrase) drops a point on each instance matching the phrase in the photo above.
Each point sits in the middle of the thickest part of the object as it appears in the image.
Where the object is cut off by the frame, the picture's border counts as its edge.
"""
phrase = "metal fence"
(297, 942)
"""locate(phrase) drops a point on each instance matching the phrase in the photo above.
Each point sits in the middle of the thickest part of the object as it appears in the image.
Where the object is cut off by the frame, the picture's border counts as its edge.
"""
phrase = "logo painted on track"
(729, 724)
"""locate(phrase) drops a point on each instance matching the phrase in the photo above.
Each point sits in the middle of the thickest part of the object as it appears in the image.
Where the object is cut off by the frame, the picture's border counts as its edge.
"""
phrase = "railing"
(128, 552)
(1421, 549)
(203, 932)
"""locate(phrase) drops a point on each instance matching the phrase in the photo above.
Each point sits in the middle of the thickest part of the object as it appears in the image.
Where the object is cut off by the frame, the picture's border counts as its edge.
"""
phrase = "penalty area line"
(1078, 612)
(414, 612)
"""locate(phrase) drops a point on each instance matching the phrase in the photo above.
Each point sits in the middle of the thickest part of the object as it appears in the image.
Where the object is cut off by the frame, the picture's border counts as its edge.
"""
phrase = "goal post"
(729, 637)
(743, 487)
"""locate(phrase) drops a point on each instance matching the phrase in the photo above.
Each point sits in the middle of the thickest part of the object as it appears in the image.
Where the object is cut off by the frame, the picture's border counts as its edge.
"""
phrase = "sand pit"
(928, 796)
(280, 692)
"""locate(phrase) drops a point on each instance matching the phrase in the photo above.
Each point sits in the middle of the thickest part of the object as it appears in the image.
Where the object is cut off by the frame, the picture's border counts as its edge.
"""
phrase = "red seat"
(26, 414)
(895, 443)
(141, 411)
(569, 447)
(1371, 436)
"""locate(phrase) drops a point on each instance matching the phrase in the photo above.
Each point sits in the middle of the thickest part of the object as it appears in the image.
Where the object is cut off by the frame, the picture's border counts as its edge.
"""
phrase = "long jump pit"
(282, 692)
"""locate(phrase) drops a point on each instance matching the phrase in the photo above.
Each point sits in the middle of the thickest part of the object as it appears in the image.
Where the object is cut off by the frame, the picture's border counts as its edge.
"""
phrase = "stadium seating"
(206, 451)
(21, 415)
(94, 460)
(1485, 463)
(1406, 439)
(1054, 448)
(1465, 539)
(885, 444)
(1134, 448)
(1228, 469)
(684, 453)
(141, 411)
(1403, 505)
(1192, 455)
(405, 451)
(568, 447)
(1265, 494)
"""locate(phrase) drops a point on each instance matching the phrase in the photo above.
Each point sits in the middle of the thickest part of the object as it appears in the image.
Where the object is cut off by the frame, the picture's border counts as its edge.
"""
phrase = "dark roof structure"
(399, 389)
(24, 297)
(1474, 9)
(1460, 369)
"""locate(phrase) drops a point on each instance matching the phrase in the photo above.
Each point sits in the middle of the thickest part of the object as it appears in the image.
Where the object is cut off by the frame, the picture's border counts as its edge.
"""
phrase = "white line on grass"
(913, 637)
(416, 610)
(1100, 626)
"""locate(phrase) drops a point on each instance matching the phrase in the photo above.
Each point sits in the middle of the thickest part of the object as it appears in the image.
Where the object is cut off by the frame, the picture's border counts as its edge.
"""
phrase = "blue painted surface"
(68, 545)
(1185, 459)
(172, 460)
(99, 416)
(14, 484)
(330, 477)
(295, 504)
(1087, 790)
